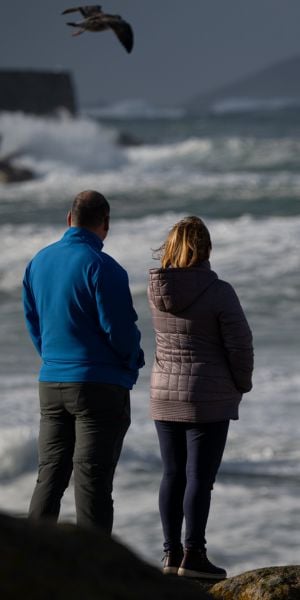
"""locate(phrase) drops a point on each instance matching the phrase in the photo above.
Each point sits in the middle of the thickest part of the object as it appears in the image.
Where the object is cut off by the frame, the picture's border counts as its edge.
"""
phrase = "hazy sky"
(182, 47)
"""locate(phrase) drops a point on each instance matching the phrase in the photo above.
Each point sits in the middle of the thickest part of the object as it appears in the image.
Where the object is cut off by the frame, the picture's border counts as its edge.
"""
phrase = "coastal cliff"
(36, 92)
(59, 562)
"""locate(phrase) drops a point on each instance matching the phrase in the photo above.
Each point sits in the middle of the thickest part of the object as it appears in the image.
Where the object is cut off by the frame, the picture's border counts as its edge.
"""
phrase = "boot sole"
(198, 574)
(170, 570)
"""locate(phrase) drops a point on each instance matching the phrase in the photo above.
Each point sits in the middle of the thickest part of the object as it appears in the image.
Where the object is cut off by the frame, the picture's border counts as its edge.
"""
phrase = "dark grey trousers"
(82, 428)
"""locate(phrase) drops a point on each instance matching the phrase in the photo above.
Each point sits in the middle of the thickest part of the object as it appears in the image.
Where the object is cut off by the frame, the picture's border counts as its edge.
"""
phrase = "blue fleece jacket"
(79, 313)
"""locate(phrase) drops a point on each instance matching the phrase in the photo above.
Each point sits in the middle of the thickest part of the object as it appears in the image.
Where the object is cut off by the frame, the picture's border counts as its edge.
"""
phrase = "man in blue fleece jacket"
(79, 313)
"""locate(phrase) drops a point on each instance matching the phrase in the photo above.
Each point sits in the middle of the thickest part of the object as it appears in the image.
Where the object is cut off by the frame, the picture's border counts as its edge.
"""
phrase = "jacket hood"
(173, 290)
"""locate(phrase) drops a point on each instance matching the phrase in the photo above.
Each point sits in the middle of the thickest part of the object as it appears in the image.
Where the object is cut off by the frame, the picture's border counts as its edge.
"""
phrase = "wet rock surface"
(271, 583)
(9, 173)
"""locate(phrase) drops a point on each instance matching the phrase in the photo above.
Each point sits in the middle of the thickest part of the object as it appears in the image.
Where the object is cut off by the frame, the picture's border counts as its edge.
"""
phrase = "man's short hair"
(89, 209)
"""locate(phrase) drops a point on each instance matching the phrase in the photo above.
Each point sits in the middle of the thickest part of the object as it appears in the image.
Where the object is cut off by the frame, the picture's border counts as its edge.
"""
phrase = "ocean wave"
(253, 105)
(18, 452)
(143, 459)
(267, 470)
(15, 255)
(226, 174)
(134, 109)
(136, 190)
(262, 447)
(225, 154)
(54, 145)
(18, 456)
(245, 250)
(66, 148)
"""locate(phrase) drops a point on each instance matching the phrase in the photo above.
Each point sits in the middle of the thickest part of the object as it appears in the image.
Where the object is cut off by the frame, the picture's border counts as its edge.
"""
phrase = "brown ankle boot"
(172, 561)
(196, 564)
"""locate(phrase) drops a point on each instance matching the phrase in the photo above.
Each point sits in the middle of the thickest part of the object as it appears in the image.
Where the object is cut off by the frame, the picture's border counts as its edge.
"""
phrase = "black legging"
(191, 455)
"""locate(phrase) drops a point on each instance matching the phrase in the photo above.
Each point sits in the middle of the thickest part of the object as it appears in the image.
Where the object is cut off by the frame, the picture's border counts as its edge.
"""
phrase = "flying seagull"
(96, 20)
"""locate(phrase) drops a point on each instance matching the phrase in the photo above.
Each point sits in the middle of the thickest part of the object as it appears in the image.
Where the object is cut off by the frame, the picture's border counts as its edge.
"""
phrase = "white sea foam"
(245, 250)
(235, 154)
(19, 244)
(18, 451)
(71, 154)
(56, 144)
(255, 449)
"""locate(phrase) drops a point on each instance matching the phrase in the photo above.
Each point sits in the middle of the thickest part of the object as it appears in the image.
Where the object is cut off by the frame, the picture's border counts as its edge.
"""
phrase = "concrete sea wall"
(36, 92)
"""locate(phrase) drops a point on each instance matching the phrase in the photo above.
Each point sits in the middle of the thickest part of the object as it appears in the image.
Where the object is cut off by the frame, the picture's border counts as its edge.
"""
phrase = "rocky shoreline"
(41, 561)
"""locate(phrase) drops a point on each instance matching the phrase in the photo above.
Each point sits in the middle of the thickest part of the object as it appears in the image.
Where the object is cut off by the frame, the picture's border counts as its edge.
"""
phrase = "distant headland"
(277, 84)
(36, 92)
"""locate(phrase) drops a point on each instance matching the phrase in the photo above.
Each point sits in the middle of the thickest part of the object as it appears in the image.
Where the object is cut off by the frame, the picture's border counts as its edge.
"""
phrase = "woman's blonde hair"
(187, 244)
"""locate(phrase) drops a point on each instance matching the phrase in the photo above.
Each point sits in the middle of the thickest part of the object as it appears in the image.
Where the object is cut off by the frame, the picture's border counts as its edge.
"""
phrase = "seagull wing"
(70, 10)
(91, 10)
(124, 33)
(86, 11)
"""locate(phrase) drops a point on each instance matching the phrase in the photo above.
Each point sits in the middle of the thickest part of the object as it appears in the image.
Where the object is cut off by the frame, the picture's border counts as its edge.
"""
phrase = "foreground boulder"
(41, 562)
(272, 583)
(49, 562)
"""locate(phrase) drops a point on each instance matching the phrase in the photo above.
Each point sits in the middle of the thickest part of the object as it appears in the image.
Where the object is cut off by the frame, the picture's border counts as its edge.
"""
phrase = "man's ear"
(69, 219)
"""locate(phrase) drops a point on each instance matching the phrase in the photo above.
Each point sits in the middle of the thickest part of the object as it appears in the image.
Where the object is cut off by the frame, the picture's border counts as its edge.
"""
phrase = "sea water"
(240, 171)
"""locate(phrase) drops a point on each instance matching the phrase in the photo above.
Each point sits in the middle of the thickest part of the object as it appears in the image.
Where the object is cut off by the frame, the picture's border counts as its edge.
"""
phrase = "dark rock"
(12, 174)
(36, 92)
(49, 562)
(127, 139)
(271, 583)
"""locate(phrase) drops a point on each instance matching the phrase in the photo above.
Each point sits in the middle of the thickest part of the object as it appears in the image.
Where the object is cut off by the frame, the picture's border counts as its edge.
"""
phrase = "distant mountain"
(273, 86)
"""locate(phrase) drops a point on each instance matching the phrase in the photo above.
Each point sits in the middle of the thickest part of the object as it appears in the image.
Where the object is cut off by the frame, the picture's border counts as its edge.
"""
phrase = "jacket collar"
(84, 235)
